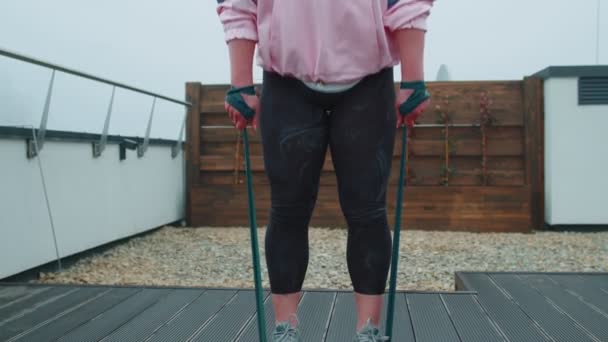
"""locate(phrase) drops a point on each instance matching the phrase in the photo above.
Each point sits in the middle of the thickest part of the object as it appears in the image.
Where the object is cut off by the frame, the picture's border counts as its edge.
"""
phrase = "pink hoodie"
(328, 41)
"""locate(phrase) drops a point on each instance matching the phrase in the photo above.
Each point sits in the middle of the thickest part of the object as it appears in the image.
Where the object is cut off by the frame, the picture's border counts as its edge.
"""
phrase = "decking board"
(493, 306)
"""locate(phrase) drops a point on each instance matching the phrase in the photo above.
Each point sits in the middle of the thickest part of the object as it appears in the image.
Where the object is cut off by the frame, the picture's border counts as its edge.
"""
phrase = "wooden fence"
(474, 164)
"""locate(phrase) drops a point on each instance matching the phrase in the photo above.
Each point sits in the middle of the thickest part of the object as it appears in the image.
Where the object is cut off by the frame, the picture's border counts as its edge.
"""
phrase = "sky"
(161, 45)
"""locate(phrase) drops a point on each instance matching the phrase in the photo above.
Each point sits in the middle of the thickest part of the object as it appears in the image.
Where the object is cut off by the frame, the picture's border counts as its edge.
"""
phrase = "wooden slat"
(192, 156)
(457, 208)
(467, 133)
(534, 148)
(464, 101)
(429, 141)
(228, 148)
(462, 178)
(219, 118)
(502, 141)
(226, 163)
(507, 106)
(423, 171)
(213, 100)
(507, 148)
(225, 134)
(215, 115)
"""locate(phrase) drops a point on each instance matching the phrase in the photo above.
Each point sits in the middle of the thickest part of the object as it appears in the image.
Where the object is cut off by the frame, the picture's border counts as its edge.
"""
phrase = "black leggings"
(297, 125)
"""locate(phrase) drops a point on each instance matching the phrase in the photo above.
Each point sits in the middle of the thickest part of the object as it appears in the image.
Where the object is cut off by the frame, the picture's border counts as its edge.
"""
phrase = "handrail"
(98, 147)
(32, 60)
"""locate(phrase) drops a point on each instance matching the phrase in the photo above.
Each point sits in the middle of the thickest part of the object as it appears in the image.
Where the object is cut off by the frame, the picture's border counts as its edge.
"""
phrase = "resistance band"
(396, 235)
(257, 276)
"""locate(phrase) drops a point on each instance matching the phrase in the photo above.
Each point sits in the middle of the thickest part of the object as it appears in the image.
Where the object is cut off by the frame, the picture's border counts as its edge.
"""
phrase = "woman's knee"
(364, 215)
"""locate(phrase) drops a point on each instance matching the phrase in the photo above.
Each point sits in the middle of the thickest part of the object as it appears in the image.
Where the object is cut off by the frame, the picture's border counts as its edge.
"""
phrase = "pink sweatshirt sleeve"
(239, 18)
(402, 14)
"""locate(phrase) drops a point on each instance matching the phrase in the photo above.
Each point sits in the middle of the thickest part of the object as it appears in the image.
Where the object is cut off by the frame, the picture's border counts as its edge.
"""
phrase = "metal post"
(141, 149)
(177, 147)
(99, 147)
(46, 198)
(33, 150)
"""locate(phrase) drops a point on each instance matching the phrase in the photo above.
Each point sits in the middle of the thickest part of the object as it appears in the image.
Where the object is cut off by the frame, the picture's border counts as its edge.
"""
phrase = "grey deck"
(498, 307)
(543, 306)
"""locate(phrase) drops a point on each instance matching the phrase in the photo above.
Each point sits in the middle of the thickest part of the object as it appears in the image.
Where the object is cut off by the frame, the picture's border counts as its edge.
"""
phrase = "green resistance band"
(257, 275)
(419, 95)
(234, 98)
(396, 236)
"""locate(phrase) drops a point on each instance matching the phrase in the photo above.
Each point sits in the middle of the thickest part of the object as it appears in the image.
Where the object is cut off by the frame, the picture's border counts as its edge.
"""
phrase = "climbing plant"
(486, 120)
(444, 117)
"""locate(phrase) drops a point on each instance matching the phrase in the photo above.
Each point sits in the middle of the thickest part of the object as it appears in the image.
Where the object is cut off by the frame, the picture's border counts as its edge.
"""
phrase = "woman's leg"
(362, 137)
(295, 137)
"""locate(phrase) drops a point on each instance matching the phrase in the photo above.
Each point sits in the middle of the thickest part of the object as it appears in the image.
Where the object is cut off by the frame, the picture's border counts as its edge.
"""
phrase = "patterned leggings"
(297, 126)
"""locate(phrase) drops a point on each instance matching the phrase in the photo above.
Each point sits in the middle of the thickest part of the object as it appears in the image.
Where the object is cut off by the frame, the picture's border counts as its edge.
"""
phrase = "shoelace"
(370, 337)
(370, 334)
(287, 331)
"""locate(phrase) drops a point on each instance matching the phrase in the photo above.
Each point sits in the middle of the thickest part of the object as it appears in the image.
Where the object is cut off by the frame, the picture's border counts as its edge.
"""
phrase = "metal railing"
(99, 146)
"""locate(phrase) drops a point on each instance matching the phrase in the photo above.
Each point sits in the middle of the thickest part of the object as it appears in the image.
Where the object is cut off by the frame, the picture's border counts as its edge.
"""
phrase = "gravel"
(221, 257)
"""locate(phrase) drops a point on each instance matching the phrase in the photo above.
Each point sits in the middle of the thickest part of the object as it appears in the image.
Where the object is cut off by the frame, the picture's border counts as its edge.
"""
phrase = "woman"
(328, 81)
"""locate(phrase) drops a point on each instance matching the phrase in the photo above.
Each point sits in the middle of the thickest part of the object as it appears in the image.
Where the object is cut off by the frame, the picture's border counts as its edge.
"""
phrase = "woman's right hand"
(408, 119)
(242, 101)
(239, 120)
(412, 99)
